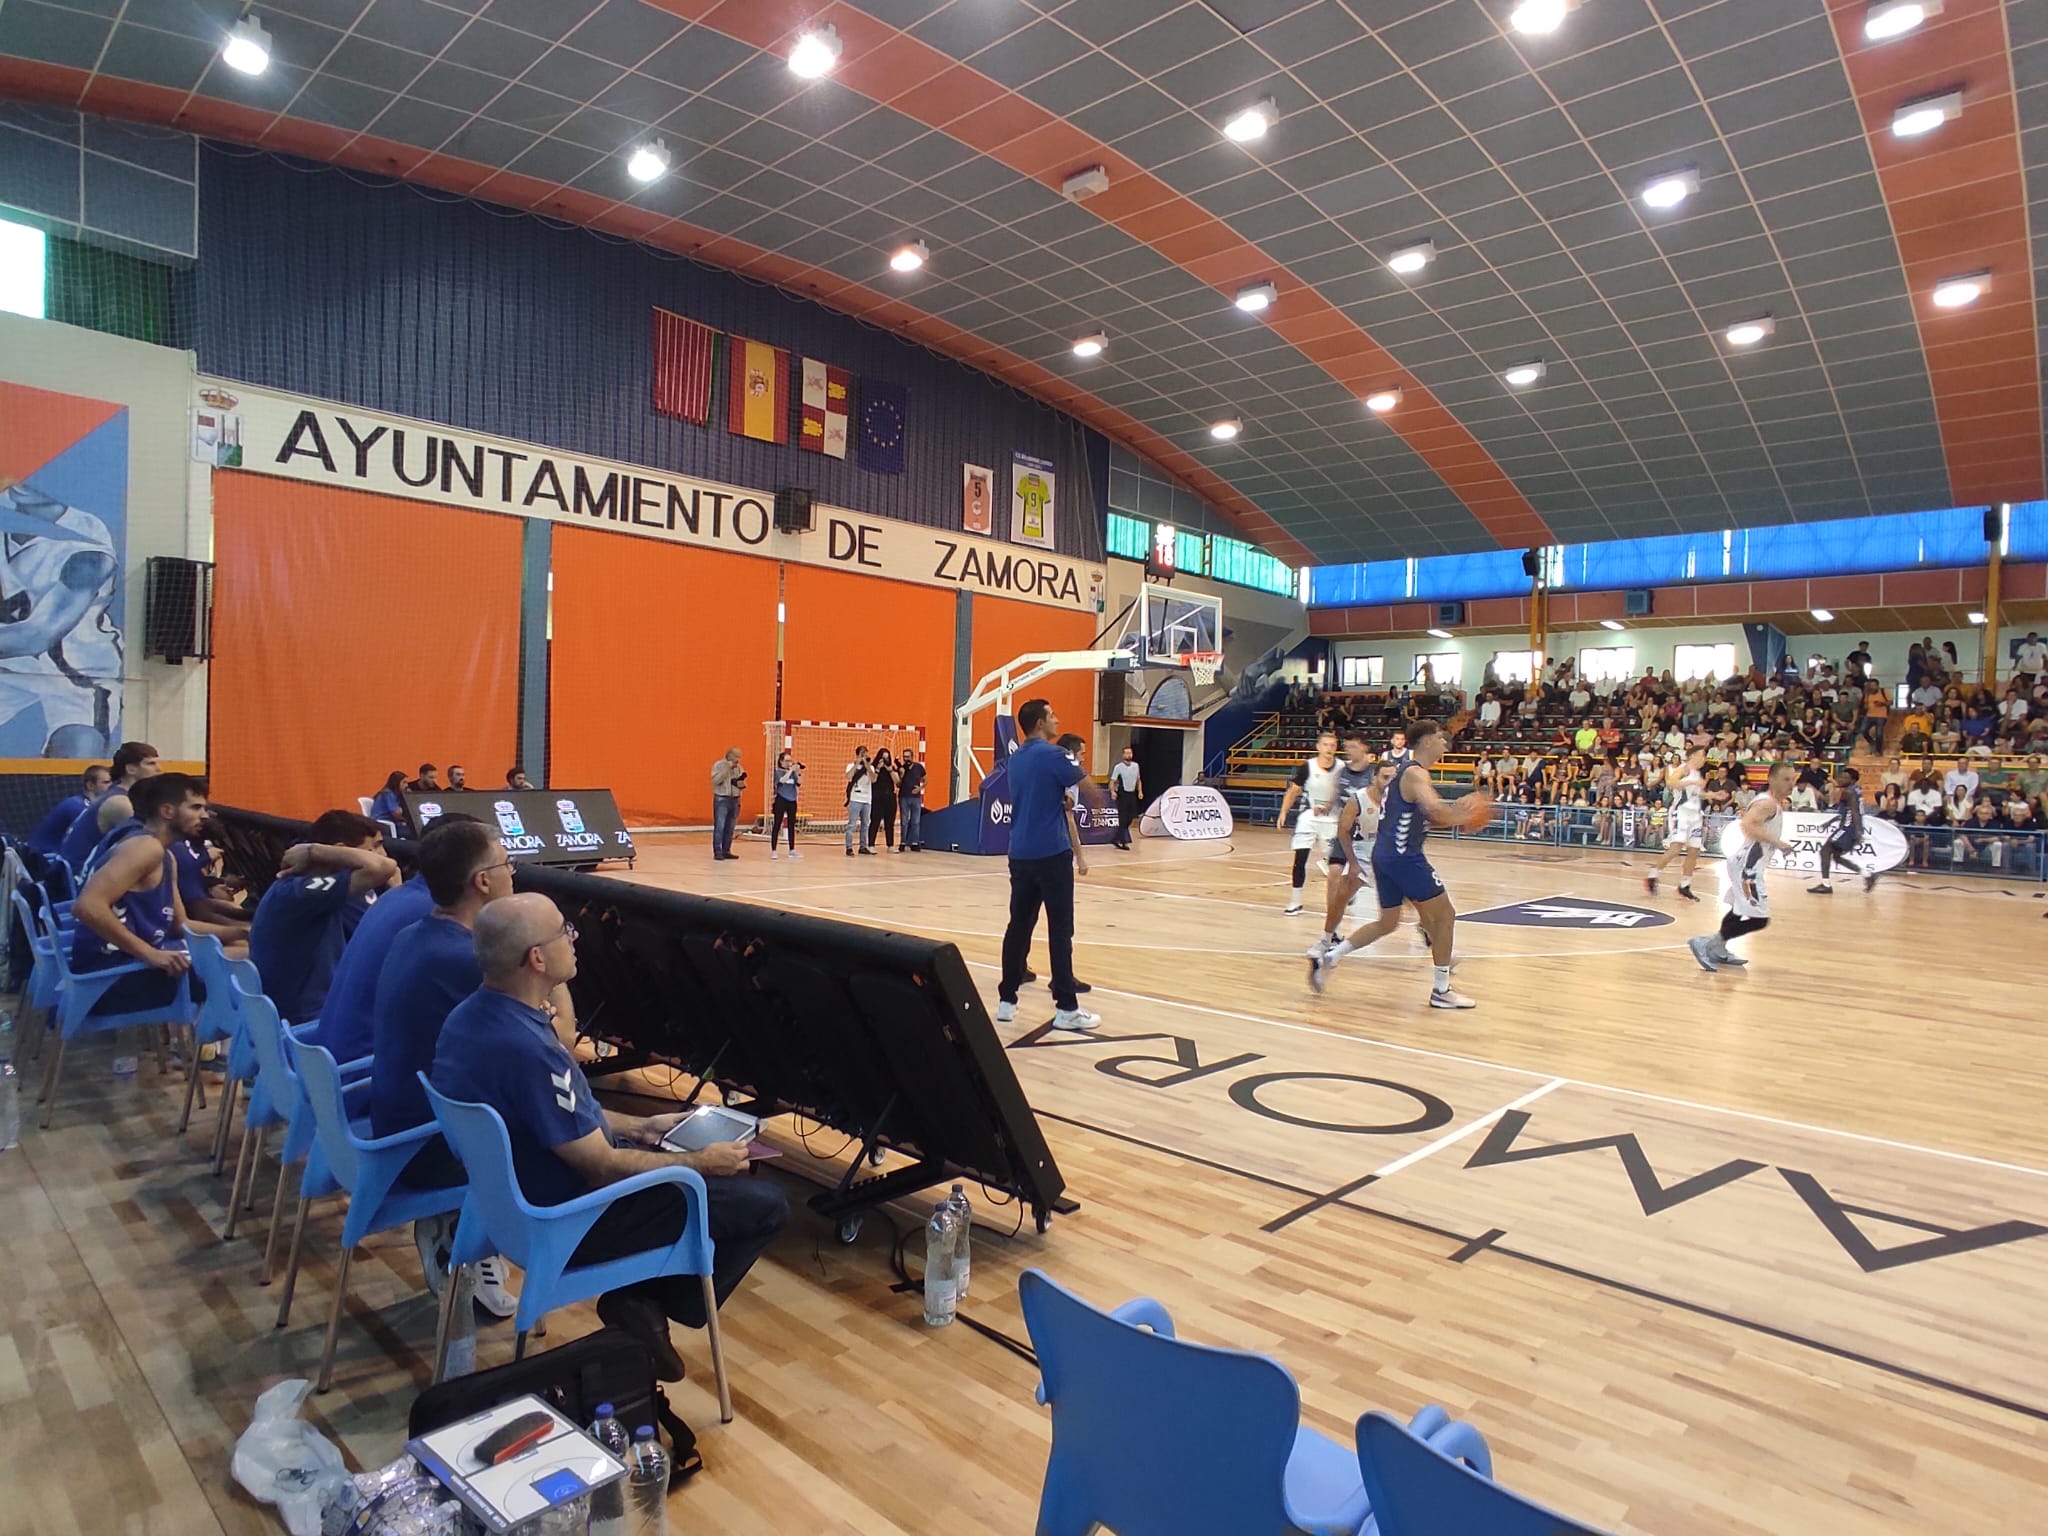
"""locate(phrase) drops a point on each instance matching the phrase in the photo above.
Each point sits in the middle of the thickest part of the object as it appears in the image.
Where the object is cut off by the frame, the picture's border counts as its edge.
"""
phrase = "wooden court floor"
(1758, 1252)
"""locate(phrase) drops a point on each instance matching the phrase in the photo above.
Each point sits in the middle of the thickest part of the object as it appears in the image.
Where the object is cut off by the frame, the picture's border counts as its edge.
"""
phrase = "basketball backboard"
(1165, 626)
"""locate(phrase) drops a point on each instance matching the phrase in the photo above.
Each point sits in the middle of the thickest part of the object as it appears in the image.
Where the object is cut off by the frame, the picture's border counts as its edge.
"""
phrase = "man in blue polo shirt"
(1042, 864)
(321, 892)
(48, 836)
(133, 761)
(499, 1047)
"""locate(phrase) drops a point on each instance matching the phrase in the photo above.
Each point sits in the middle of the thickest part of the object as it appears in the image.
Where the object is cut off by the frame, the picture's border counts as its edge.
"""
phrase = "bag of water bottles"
(283, 1460)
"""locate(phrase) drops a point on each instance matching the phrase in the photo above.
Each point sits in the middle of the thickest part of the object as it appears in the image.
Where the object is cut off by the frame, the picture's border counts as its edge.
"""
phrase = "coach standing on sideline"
(728, 778)
(1042, 864)
(1130, 793)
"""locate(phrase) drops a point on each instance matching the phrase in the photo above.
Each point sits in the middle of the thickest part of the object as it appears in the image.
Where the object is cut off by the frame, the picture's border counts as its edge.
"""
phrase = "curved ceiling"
(1521, 158)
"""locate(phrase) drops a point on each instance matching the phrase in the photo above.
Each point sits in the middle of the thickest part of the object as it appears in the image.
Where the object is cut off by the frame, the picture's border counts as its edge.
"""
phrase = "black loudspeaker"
(1994, 524)
(1637, 603)
(177, 609)
(1531, 562)
(1449, 614)
(792, 511)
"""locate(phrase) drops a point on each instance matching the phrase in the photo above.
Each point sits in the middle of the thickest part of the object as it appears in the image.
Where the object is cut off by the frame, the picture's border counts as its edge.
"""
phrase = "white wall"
(1654, 647)
(161, 704)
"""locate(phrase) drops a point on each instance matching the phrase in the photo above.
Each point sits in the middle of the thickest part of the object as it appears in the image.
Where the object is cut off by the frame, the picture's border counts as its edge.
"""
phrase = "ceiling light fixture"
(1963, 288)
(816, 53)
(648, 162)
(1411, 259)
(1976, 618)
(247, 48)
(1539, 18)
(1524, 374)
(1887, 19)
(1439, 634)
(1914, 118)
(1671, 189)
(909, 256)
(1612, 624)
(1252, 122)
(1257, 299)
(1749, 332)
(1223, 431)
(1091, 345)
(1822, 615)
(1383, 400)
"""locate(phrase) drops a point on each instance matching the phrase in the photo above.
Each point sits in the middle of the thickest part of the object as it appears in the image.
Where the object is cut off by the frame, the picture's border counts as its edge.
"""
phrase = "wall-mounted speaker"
(1531, 562)
(793, 511)
(1449, 615)
(1637, 603)
(1994, 524)
(177, 609)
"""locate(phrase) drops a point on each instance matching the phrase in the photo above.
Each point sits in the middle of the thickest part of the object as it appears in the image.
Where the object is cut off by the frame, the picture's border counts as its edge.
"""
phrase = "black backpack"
(609, 1366)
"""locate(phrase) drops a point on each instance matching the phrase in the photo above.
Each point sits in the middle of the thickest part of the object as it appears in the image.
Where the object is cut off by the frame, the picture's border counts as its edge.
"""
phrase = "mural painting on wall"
(63, 523)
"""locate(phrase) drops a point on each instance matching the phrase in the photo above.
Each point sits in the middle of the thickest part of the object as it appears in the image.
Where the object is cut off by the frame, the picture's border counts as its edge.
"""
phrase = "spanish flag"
(757, 392)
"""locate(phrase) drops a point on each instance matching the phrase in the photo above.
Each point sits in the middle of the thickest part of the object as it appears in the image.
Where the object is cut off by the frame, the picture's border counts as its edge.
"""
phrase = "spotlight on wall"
(247, 48)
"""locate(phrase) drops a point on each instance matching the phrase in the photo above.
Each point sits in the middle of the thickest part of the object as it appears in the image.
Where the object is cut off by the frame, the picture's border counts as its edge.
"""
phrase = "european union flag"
(884, 411)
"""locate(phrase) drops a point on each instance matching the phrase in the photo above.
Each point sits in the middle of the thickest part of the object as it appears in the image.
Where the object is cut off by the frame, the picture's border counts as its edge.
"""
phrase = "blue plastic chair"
(1154, 1436)
(346, 1157)
(40, 993)
(79, 992)
(498, 1218)
(225, 982)
(1425, 1489)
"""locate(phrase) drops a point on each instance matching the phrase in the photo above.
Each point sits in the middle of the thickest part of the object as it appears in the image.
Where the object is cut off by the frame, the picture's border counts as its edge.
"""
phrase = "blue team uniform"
(346, 1017)
(149, 914)
(430, 970)
(82, 837)
(495, 1050)
(190, 860)
(1399, 869)
(297, 935)
(48, 836)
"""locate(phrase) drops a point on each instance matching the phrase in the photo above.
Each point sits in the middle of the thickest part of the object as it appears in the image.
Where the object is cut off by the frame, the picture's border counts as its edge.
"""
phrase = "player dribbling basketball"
(1402, 874)
(1363, 785)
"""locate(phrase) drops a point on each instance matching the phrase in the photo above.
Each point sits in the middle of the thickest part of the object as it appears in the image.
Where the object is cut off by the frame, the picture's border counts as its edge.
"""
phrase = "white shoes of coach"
(1005, 1012)
(1075, 1018)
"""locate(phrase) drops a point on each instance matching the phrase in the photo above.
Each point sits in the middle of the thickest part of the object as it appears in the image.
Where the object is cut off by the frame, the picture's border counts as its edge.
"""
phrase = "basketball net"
(1205, 665)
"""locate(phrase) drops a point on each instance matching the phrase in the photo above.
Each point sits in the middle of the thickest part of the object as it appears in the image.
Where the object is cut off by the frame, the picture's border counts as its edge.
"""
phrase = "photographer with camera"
(789, 783)
(728, 778)
(860, 800)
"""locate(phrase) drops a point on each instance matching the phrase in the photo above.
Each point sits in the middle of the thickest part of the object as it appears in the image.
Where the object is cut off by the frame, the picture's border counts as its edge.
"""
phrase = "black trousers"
(1126, 817)
(783, 815)
(746, 1212)
(882, 822)
(1035, 883)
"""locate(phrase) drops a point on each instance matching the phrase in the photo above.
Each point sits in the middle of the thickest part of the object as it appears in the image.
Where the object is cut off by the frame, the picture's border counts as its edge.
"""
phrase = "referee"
(1130, 793)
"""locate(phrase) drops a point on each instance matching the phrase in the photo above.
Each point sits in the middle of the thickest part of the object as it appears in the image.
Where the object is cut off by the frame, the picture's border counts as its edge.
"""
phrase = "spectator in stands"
(1856, 665)
(2031, 659)
(2023, 849)
(1803, 797)
(910, 780)
(2014, 707)
(1489, 711)
(515, 778)
(48, 835)
(387, 806)
(1580, 698)
(1976, 840)
(2031, 783)
(1891, 802)
(860, 800)
(1894, 775)
(1876, 716)
(1531, 705)
(128, 907)
(458, 780)
(1948, 735)
(1958, 800)
(728, 779)
(429, 780)
(499, 1047)
(882, 813)
(134, 761)
(1917, 731)
(322, 890)
(1586, 737)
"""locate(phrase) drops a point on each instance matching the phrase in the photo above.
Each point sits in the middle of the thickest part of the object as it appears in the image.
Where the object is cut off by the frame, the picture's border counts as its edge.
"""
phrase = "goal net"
(825, 747)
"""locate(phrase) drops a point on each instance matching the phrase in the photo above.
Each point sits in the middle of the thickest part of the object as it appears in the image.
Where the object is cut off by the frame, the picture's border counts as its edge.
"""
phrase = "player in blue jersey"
(1361, 790)
(1402, 874)
(1843, 834)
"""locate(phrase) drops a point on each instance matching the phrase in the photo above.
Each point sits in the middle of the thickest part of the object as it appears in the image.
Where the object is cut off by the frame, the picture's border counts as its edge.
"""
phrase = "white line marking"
(1451, 1137)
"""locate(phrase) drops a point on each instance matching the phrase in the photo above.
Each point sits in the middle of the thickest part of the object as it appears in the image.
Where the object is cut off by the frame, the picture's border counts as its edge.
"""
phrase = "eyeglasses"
(568, 932)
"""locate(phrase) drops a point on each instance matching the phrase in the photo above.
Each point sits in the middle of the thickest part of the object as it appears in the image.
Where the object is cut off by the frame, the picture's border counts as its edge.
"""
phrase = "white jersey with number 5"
(1746, 861)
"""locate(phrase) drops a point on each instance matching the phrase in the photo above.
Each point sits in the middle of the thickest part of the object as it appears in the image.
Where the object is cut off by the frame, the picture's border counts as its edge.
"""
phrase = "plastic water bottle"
(608, 1504)
(647, 1485)
(963, 1217)
(941, 1266)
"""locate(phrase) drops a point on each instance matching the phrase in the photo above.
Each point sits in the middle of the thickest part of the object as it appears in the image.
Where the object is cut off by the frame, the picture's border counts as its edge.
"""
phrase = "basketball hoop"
(1205, 665)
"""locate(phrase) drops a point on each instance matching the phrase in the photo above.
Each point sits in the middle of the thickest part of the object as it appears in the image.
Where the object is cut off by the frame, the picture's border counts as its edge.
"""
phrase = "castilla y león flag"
(825, 402)
(757, 392)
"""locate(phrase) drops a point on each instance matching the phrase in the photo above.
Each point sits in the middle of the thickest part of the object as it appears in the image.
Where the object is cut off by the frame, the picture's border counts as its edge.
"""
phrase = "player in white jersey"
(1315, 786)
(1364, 786)
(1685, 826)
(1747, 848)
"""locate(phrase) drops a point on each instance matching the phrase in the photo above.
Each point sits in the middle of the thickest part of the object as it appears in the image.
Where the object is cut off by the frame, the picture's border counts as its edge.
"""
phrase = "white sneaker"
(491, 1292)
(1075, 1018)
(1319, 969)
(1316, 950)
(1702, 947)
(1723, 955)
(774, 853)
(794, 854)
(1005, 1011)
(434, 1236)
(1450, 999)
(1292, 909)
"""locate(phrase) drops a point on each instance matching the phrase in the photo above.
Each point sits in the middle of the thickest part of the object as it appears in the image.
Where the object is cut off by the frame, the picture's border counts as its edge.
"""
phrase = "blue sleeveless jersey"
(147, 913)
(1402, 824)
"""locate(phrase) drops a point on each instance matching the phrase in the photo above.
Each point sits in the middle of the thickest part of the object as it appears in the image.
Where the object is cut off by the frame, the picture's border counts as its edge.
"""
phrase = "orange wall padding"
(663, 657)
(1005, 630)
(860, 649)
(354, 634)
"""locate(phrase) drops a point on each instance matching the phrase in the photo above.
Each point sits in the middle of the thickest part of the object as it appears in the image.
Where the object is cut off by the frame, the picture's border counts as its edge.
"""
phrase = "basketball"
(1471, 811)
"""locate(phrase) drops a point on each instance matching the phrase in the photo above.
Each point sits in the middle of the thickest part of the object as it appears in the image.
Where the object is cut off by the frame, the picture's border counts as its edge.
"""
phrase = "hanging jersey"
(147, 913)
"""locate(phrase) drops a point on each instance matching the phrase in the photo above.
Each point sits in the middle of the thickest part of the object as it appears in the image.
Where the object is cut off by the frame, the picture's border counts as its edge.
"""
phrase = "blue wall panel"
(380, 296)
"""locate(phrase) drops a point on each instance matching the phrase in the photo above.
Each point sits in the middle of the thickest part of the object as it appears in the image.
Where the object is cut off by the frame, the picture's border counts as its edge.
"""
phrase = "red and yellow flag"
(757, 391)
